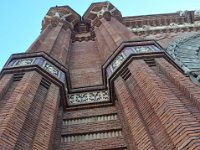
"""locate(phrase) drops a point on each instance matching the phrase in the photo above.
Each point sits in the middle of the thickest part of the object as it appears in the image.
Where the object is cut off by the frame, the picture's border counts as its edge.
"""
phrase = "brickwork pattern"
(171, 119)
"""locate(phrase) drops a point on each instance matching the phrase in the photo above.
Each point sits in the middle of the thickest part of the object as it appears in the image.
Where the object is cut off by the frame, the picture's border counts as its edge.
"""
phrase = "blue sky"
(21, 19)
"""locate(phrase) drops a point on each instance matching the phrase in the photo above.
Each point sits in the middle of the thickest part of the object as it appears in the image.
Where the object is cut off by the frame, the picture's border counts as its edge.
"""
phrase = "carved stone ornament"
(58, 15)
(88, 97)
(127, 51)
(117, 61)
(186, 53)
(24, 62)
(103, 11)
(50, 68)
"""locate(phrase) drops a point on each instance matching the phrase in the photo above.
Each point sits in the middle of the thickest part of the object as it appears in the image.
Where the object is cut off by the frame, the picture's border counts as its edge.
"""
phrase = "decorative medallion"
(88, 97)
(52, 69)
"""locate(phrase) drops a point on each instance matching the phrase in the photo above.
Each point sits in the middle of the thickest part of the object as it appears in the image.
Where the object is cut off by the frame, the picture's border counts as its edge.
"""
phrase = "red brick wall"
(85, 65)
(92, 126)
(166, 114)
(27, 112)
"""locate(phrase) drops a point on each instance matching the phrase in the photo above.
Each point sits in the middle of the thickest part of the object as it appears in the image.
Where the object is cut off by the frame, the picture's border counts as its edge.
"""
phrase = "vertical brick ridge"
(189, 105)
(13, 114)
(65, 48)
(154, 125)
(135, 121)
(8, 94)
(57, 137)
(61, 46)
(182, 127)
(44, 133)
(102, 45)
(182, 82)
(111, 43)
(37, 43)
(26, 136)
(5, 83)
(114, 33)
(125, 127)
(50, 40)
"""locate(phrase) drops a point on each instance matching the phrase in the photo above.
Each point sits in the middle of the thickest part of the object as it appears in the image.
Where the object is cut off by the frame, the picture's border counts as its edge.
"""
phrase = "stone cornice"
(172, 27)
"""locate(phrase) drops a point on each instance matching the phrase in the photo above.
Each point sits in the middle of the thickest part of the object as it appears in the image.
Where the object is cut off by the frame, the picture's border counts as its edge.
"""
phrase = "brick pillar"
(5, 82)
(180, 125)
(44, 133)
(54, 41)
(110, 34)
(139, 131)
(16, 105)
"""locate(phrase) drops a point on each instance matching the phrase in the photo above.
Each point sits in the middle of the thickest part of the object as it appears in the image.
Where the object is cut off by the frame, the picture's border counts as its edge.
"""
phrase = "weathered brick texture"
(14, 111)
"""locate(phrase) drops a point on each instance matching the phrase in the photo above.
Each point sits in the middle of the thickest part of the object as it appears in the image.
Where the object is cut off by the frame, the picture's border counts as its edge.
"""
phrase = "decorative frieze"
(88, 97)
(173, 26)
(51, 68)
(24, 62)
(91, 136)
(186, 54)
(91, 119)
(41, 62)
(127, 51)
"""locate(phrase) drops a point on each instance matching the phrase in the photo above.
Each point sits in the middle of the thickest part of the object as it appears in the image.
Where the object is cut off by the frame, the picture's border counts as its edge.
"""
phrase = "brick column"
(180, 125)
(54, 41)
(15, 109)
(139, 132)
(110, 34)
(44, 133)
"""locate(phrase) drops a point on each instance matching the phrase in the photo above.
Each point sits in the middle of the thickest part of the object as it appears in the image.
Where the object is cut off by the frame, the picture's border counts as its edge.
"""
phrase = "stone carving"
(24, 62)
(186, 53)
(103, 10)
(117, 61)
(88, 97)
(127, 51)
(40, 62)
(142, 49)
(51, 69)
(58, 15)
